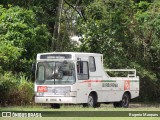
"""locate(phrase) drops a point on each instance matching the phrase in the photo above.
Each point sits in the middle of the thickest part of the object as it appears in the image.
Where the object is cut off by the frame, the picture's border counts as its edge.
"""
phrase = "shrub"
(15, 89)
(25, 91)
(7, 83)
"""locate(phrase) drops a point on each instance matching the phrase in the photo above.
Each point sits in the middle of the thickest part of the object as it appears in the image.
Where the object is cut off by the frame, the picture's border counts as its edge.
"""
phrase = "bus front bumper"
(55, 99)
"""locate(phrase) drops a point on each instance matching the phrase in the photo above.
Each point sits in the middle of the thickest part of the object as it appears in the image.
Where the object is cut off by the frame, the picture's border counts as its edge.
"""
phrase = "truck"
(80, 78)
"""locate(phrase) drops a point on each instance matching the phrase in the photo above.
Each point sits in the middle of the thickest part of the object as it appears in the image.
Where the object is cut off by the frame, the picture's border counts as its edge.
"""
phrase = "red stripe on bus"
(88, 81)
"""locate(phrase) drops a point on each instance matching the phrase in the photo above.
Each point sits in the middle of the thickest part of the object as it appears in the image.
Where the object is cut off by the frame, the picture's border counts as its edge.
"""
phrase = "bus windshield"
(50, 73)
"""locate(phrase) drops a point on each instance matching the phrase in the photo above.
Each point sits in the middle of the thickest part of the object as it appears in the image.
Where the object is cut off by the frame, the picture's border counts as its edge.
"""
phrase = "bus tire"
(124, 103)
(55, 105)
(92, 101)
(125, 100)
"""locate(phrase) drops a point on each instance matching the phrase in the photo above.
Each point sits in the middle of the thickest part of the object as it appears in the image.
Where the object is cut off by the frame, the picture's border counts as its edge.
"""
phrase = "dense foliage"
(21, 38)
(126, 32)
(15, 89)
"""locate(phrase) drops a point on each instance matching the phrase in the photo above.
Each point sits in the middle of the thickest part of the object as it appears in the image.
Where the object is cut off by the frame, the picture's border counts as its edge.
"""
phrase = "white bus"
(80, 78)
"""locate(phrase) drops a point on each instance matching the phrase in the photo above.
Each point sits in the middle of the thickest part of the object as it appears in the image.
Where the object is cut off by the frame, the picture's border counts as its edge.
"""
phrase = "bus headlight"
(71, 94)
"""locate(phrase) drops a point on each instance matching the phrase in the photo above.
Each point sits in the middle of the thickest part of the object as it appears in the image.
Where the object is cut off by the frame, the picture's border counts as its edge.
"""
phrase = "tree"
(147, 35)
(106, 30)
(22, 38)
(126, 33)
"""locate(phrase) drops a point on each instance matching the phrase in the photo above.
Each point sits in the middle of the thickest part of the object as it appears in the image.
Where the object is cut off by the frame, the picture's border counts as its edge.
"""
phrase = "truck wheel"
(55, 106)
(124, 103)
(92, 101)
(125, 100)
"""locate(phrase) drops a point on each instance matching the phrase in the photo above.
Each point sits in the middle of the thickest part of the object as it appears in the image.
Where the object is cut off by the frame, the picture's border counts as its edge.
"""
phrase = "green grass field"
(133, 107)
(104, 107)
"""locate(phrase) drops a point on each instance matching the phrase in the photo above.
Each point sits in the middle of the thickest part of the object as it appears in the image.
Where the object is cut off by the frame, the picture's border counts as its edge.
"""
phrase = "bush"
(24, 91)
(7, 83)
(15, 89)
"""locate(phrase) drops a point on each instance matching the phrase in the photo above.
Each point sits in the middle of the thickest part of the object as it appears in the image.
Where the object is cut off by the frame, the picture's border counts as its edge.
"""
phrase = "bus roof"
(65, 55)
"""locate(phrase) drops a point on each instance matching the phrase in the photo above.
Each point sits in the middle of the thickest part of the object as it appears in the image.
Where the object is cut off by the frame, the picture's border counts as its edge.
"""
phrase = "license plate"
(53, 100)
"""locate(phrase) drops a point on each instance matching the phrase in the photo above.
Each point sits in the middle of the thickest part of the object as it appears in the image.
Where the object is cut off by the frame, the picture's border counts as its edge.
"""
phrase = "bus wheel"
(55, 105)
(125, 100)
(124, 103)
(92, 101)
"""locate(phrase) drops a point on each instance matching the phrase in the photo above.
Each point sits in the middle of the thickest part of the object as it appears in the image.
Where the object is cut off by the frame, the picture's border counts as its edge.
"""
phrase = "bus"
(80, 78)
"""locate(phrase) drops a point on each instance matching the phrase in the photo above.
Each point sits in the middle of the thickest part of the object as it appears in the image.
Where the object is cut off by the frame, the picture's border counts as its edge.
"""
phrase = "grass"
(133, 107)
(104, 107)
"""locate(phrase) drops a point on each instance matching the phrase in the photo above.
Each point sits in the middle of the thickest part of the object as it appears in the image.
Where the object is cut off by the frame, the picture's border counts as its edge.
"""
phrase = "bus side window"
(92, 65)
(82, 70)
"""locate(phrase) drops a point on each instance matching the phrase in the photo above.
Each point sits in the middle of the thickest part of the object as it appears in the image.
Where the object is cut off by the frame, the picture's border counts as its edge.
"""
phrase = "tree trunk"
(57, 26)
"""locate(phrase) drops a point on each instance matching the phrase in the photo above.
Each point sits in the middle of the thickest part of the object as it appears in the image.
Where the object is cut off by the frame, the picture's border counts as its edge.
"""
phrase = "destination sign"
(56, 56)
